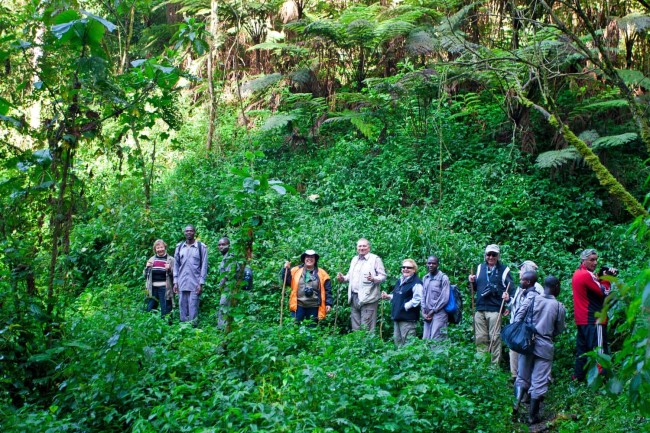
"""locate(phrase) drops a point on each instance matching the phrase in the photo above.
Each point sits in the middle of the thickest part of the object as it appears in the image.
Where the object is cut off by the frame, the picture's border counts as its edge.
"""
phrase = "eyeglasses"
(407, 267)
(492, 254)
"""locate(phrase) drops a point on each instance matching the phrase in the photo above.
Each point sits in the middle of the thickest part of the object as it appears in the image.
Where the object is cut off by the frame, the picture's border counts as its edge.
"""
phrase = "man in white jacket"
(365, 276)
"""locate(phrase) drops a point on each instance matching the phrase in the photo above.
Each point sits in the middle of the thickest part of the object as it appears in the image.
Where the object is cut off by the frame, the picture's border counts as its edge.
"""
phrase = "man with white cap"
(491, 280)
(514, 302)
(311, 288)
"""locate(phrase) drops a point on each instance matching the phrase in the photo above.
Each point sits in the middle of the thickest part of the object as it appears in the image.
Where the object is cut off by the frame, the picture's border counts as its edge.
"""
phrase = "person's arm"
(417, 297)
(590, 281)
(285, 271)
(204, 267)
(380, 271)
(329, 299)
(508, 283)
(444, 294)
(521, 311)
(560, 324)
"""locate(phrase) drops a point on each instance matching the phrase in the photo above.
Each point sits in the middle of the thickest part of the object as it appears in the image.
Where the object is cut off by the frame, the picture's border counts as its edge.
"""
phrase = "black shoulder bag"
(520, 336)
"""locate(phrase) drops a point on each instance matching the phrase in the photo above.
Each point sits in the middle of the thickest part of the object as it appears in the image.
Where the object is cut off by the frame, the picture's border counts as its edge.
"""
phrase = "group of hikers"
(412, 299)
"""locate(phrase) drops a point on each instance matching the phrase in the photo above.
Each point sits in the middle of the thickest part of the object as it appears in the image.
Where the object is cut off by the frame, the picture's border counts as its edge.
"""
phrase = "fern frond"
(614, 140)
(454, 21)
(324, 28)
(278, 121)
(633, 78)
(589, 136)
(634, 22)
(597, 107)
(261, 83)
(391, 29)
(360, 32)
(354, 13)
(421, 42)
(557, 158)
(360, 121)
(279, 48)
(302, 76)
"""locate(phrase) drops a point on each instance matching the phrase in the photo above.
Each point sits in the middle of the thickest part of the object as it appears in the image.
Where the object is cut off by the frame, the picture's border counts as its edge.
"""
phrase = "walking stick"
(497, 328)
(284, 284)
(381, 321)
(336, 313)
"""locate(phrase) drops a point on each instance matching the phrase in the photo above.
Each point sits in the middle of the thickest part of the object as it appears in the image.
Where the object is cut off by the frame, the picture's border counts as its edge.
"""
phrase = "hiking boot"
(533, 413)
(519, 395)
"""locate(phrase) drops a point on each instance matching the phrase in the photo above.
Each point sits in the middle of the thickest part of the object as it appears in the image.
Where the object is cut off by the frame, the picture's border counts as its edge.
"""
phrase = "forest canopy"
(427, 127)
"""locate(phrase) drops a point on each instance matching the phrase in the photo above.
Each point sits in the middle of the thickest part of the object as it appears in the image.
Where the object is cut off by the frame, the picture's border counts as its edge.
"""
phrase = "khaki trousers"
(485, 323)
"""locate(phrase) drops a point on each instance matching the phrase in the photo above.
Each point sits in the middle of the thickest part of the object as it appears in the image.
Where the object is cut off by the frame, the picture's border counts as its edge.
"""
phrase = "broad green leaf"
(4, 106)
(107, 24)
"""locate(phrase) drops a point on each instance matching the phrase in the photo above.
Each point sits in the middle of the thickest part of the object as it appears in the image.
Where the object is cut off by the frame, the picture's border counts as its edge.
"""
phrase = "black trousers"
(588, 338)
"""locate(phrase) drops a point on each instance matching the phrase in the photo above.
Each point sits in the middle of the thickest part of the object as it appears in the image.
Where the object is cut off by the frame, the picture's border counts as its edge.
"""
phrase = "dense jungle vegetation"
(427, 126)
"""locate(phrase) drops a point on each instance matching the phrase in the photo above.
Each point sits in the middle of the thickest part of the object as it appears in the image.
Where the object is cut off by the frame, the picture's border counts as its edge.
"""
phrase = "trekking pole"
(284, 284)
(336, 313)
(471, 291)
(381, 320)
(497, 328)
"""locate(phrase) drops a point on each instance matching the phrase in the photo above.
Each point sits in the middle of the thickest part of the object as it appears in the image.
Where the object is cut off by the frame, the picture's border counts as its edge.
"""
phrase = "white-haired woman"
(160, 280)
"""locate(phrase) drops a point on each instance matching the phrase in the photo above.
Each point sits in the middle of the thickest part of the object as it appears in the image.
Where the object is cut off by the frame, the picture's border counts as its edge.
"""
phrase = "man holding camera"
(589, 293)
(491, 280)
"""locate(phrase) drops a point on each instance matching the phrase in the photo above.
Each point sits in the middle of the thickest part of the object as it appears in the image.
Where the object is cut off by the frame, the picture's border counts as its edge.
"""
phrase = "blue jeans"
(303, 313)
(158, 298)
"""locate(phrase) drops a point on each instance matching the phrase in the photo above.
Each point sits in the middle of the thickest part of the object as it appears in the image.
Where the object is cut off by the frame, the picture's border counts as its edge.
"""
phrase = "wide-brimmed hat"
(309, 253)
(492, 248)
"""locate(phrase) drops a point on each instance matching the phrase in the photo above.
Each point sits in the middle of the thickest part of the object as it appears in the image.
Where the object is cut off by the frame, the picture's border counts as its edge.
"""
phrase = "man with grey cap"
(589, 293)
(491, 280)
(513, 303)
(365, 276)
(311, 288)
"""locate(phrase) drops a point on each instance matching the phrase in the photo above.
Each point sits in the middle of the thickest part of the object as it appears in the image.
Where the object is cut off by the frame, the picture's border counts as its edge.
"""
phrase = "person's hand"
(199, 289)
(328, 308)
(384, 295)
(370, 278)
(506, 296)
(287, 264)
(149, 263)
(175, 288)
(167, 266)
(340, 277)
(472, 278)
(505, 313)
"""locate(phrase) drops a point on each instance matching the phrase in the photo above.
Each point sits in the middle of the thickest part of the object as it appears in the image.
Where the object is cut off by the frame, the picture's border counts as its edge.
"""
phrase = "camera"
(490, 288)
(604, 270)
(309, 292)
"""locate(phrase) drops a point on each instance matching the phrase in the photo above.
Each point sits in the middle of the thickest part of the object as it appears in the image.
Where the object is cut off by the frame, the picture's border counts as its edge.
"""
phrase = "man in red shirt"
(589, 293)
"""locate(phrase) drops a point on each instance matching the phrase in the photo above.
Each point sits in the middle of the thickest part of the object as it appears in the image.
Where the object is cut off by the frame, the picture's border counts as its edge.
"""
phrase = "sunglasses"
(407, 267)
(491, 254)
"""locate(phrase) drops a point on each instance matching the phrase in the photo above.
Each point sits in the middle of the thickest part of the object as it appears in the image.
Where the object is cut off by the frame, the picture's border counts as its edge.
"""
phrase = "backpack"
(454, 307)
(248, 278)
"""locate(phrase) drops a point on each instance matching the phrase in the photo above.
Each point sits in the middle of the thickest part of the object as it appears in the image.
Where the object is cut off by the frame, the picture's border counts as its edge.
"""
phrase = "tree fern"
(557, 158)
